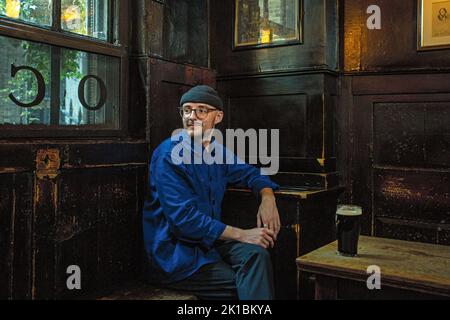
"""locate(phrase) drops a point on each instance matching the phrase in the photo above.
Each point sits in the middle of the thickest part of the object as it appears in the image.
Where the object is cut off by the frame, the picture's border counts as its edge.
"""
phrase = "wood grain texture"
(399, 154)
(394, 46)
(319, 49)
(403, 264)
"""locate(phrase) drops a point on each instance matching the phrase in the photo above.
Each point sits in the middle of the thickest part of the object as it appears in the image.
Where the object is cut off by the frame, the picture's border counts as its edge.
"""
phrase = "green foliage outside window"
(24, 85)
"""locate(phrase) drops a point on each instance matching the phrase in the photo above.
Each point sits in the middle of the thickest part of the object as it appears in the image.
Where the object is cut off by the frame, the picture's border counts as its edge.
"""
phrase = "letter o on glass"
(81, 97)
(40, 85)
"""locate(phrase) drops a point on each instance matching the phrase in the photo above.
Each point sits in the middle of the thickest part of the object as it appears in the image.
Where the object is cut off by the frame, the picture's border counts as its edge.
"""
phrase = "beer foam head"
(349, 210)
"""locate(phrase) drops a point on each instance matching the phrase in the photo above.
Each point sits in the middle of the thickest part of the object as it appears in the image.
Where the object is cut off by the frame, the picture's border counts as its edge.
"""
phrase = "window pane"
(86, 17)
(24, 86)
(35, 11)
(88, 86)
(89, 89)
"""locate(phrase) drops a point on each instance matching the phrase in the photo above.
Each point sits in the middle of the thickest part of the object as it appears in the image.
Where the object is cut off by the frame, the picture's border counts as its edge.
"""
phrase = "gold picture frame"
(266, 23)
(433, 24)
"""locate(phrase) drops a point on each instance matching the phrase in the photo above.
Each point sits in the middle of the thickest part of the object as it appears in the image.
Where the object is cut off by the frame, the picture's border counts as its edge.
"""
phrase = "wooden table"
(409, 266)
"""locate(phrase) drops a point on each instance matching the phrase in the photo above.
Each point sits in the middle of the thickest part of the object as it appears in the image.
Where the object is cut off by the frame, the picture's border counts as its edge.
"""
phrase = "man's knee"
(257, 254)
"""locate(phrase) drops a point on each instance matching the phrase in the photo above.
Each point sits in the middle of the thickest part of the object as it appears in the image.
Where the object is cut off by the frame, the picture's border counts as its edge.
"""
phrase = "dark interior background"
(357, 108)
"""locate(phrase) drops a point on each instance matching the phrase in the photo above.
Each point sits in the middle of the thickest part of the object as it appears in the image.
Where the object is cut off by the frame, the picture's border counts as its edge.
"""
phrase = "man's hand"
(268, 216)
(260, 236)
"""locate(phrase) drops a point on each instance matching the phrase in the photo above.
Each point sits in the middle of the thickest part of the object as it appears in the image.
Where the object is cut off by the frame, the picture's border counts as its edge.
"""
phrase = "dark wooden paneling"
(344, 136)
(394, 47)
(138, 99)
(302, 106)
(385, 84)
(16, 156)
(186, 31)
(101, 233)
(405, 230)
(400, 154)
(437, 129)
(164, 114)
(76, 229)
(399, 134)
(50, 224)
(319, 47)
(15, 235)
(44, 251)
(175, 30)
(310, 83)
(412, 134)
(308, 180)
(6, 233)
(412, 195)
(274, 112)
(23, 236)
(119, 226)
(105, 153)
(147, 29)
(316, 126)
(76, 154)
(444, 236)
(330, 126)
(308, 165)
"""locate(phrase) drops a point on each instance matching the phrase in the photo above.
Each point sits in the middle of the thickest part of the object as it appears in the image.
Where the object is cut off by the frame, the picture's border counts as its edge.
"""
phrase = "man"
(187, 245)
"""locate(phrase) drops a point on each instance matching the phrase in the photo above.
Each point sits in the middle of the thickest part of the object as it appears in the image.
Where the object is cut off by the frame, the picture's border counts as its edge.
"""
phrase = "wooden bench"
(408, 270)
(142, 291)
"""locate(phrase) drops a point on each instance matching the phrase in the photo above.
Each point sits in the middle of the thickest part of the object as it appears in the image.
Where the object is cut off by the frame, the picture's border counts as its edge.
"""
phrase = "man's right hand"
(260, 236)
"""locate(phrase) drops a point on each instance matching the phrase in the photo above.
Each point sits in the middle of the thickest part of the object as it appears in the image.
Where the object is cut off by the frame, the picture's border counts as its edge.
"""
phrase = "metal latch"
(48, 163)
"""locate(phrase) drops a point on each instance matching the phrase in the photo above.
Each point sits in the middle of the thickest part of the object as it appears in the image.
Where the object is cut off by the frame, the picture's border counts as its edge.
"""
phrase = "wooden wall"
(395, 124)
(292, 88)
(85, 213)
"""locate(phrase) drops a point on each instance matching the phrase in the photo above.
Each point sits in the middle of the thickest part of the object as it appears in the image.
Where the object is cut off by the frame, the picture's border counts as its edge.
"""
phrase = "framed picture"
(433, 24)
(267, 23)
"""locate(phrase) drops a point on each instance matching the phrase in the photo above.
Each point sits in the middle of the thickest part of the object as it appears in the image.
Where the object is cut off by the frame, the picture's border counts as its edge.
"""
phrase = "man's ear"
(219, 117)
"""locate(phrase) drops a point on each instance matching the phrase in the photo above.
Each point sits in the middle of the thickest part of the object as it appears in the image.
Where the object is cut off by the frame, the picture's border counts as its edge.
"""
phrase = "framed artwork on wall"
(433, 24)
(266, 23)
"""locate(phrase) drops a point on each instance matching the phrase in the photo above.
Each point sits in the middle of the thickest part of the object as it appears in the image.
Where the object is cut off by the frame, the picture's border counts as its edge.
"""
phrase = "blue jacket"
(182, 213)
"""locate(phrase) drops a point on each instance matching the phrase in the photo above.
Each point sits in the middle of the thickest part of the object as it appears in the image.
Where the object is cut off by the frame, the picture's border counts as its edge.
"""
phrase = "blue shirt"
(182, 213)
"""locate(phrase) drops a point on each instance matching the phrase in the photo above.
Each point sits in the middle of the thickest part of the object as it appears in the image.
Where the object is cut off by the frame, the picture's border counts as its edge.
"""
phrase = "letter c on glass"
(40, 85)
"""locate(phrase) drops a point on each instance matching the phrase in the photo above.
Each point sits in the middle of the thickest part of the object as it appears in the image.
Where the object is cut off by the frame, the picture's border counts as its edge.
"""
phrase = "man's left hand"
(268, 216)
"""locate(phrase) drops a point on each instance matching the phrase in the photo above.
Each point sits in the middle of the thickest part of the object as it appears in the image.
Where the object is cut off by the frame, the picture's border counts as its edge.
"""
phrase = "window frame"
(117, 47)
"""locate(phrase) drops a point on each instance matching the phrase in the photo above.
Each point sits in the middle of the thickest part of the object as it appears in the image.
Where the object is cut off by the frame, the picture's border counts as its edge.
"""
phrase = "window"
(64, 67)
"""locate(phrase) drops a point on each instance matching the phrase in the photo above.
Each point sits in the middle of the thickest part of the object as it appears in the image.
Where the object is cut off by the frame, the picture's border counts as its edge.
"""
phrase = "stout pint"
(348, 227)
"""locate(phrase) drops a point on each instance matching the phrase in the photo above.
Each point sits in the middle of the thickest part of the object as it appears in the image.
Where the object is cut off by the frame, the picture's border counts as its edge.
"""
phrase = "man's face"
(198, 122)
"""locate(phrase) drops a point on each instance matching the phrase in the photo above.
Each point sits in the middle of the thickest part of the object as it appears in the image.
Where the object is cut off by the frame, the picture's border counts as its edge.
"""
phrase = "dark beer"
(348, 227)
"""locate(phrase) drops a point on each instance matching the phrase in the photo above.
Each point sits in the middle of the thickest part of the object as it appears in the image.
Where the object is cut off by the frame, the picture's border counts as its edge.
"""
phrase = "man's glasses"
(200, 112)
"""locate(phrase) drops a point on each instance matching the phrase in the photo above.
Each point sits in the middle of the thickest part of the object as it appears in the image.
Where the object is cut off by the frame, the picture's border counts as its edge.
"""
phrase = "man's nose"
(193, 115)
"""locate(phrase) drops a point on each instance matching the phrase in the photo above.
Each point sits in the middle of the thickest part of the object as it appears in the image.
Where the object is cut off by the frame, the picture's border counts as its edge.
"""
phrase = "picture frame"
(433, 24)
(267, 23)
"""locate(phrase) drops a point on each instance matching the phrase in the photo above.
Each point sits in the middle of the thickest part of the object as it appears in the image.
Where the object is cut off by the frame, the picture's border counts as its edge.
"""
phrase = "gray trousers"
(244, 273)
